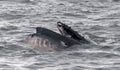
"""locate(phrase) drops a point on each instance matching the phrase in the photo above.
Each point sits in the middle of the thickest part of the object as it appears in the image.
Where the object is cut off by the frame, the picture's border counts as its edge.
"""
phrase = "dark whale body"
(47, 39)
(50, 40)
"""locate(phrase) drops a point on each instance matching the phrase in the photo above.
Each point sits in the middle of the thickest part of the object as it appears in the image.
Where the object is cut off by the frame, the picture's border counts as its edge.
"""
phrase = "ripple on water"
(6, 16)
(5, 67)
(116, 0)
(96, 38)
(106, 47)
(79, 68)
(19, 1)
(97, 27)
(117, 49)
(74, 15)
(9, 28)
(111, 68)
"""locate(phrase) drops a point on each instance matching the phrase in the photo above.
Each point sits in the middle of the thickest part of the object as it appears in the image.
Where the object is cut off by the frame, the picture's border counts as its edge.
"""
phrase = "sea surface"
(98, 20)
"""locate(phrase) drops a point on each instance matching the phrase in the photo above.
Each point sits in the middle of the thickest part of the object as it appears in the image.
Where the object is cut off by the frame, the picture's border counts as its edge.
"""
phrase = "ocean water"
(97, 19)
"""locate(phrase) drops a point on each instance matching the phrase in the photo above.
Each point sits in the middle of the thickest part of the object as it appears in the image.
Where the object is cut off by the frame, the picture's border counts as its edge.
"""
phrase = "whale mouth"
(59, 24)
(61, 29)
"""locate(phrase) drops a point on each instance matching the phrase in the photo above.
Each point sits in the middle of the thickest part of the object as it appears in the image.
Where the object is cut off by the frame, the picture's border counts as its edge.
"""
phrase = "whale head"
(69, 32)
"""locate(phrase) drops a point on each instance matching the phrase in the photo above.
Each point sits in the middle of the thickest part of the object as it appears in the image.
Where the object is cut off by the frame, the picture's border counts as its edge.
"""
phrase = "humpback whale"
(50, 40)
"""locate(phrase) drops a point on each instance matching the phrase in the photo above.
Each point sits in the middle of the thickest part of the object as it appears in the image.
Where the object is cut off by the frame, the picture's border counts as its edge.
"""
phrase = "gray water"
(97, 19)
